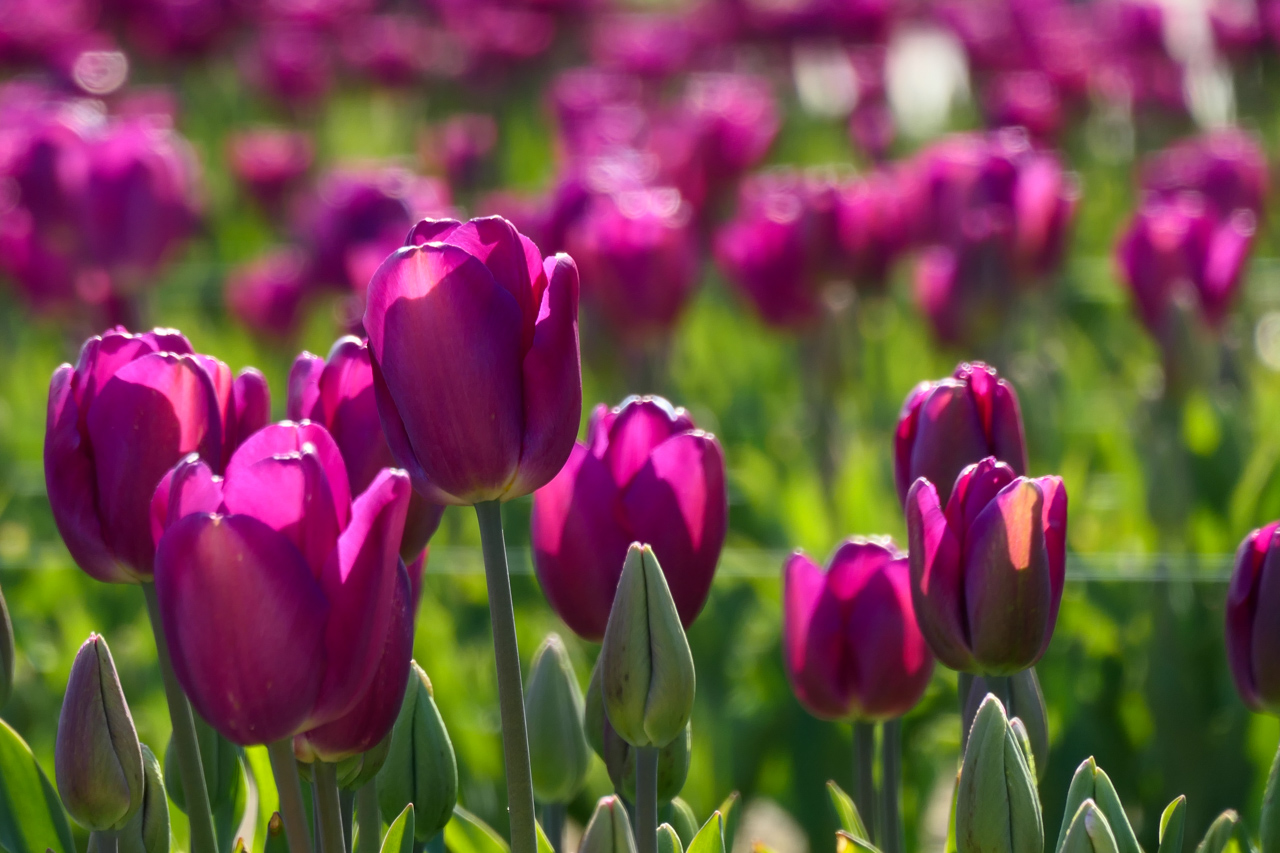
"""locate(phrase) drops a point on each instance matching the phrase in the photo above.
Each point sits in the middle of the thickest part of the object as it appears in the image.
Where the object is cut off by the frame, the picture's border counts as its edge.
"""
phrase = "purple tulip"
(947, 425)
(292, 63)
(739, 118)
(849, 635)
(1227, 167)
(338, 393)
(645, 474)
(648, 44)
(1252, 636)
(267, 294)
(460, 146)
(987, 572)
(474, 339)
(132, 407)
(177, 28)
(277, 590)
(1024, 99)
(391, 49)
(872, 226)
(269, 161)
(638, 256)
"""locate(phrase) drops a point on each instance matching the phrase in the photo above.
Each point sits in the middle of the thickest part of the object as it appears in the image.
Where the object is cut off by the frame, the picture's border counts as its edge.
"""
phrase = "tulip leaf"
(31, 815)
(846, 843)
(847, 811)
(669, 840)
(952, 845)
(1222, 836)
(399, 837)
(732, 813)
(257, 766)
(544, 843)
(1173, 826)
(681, 818)
(710, 839)
(467, 833)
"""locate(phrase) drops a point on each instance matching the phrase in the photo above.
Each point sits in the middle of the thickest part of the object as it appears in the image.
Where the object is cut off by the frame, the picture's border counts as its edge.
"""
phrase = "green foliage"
(31, 816)
(399, 837)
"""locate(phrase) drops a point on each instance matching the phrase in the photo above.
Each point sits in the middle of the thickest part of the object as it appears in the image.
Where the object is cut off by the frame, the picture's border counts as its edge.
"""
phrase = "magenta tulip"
(267, 294)
(474, 345)
(947, 425)
(645, 474)
(849, 634)
(269, 161)
(1253, 635)
(278, 592)
(338, 393)
(132, 407)
(987, 572)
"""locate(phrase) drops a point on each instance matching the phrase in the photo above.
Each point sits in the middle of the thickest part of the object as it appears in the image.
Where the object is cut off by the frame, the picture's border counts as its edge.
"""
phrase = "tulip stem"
(891, 781)
(369, 817)
(553, 824)
(999, 685)
(190, 768)
(515, 737)
(285, 768)
(326, 782)
(104, 841)
(964, 686)
(864, 783)
(647, 799)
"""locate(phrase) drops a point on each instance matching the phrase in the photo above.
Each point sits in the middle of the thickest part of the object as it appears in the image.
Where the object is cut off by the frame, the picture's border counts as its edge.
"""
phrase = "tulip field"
(696, 426)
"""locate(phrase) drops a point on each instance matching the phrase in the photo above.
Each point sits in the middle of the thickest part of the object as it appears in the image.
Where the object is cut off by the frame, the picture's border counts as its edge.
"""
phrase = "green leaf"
(847, 812)
(544, 843)
(467, 833)
(846, 843)
(1222, 836)
(257, 764)
(399, 837)
(31, 815)
(668, 840)
(710, 839)
(1173, 826)
(732, 814)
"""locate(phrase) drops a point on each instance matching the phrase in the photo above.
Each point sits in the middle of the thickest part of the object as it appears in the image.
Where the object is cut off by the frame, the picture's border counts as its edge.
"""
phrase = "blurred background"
(787, 213)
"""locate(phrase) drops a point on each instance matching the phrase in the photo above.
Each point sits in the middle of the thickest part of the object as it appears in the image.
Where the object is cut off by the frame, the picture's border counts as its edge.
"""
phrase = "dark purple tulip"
(1253, 638)
(177, 28)
(474, 339)
(390, 49)
(292, 63)
(277, 590)
(338, 392)
(872, 225)
(268, 161)
(461, 146)
(637, 254)
(645, 474)
(739, 118)
(648, 44)
(1227, 167)
(1024, 99)
(267, 294)
(132, 407)
(947, 425)
(849, 634)
(987, 573)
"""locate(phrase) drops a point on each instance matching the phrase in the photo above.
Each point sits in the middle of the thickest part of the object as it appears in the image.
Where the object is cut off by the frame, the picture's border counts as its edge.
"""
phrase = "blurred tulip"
(267, 293)
(268, 161)
(391, 49)
(97, 757)
(460, 147)
(872, 227)
(421, 768)
(739, 118)
(1024, 99)
(647, 44)
(997, 806)
(132, 407)
(947, 425)
(474, 341)
(987, 573)
(608, 831)
(558, 751)
(850, 639)
(1253, 641)
(338, 393)
(645, 473)
(280, 553)
(148, 830)
(291, 62)
(1227, 167)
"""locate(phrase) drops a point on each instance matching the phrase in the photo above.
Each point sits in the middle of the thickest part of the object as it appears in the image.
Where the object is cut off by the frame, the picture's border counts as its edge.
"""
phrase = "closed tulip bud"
(357, 770)
(1090, 784)
(1173, 824)
(148, 830)
(1253, 641)
(6, 652)
(131, 408)
(850, 639)
(594, 719)
(1026, 703)
(645, 473)
(219, 758)
(1089, 831)
(987, 573)
(1225, 829)
(679, 815)
(950, 424)
(474, 344)
(646, 669)
(420, 768)
(608, 831)
(669, 840)
(558, 749)
(673, 764)
(97, 757)
(997, 805)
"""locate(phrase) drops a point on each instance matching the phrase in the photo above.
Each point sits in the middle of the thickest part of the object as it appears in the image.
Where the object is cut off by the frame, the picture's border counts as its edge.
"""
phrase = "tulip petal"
(949, 436)
(904, 438)
(245, 621)
(892, 663)
(190, 486)
(249, 409)
(1007, 441)
(642, 423)
(304, 388)
(431, 231)
(1055, 542)
(1265, 634)
(977, 486)
(936, 584)
(495, 242)
(813, 641)
(802, 583)
(289, 439)
(1242, 608)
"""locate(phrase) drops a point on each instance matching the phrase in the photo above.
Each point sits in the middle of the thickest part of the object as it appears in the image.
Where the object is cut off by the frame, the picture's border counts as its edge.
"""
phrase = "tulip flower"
(740, 120)
(267, 293)
(949, 424)
(474, 344)
(269, 161)
(1253, 642)
(850, 639)
(338, 393)
(997, 807)
(421, 769)
(1227, 167)
(277, 590)
(392, 49)
(460, 146)
(132, 407)
(609, 830)
(291, 62)
(647, 474)
(987, 572)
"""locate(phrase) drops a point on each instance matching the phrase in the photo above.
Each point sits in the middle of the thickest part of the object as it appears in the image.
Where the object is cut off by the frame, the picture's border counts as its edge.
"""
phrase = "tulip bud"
(1221, 832)
(355, 771)
(1092, 784)
(594, 720)
(1024, 743)
(669, 839)
(97, 757)
(997, 806)
(680, 816)
(558, 747)
(673, 764)
(6, 652)
(1253, 644)
(608, 831)
(420, 768)
(220, 759)
(646, 668)
(148, 831)
(1089, 831)
(1026, 703)
(1173, 827)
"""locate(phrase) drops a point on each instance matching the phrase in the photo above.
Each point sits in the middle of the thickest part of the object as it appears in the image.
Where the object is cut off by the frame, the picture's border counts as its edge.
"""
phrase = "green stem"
(964, 686)
(1271, 810)
(553, 824)
(103, 841)
(515, 737)
(647, 799)
(369, 817)
(1000, 686)
(347, 799)
(891, 782)
(190, 768)
(864, 782)
(294, 814)
(325, 778)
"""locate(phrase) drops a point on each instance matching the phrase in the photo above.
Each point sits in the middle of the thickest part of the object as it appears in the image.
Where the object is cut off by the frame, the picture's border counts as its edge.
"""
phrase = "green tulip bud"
(594, 719)
(608, 831)
(6, 652)
(420, 767)
(669, 840)
(1026, 702)
(277, 841)
(1091, 783)
(97, 757)
(357, 770)
(673, 764)
(558, 749)
(220, 760)
(680, 817)
(1173, 826)
(148, 831)
(1089, 831)
(1023, 740)
(646, 676)
(997, 805)
(1221, 833)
